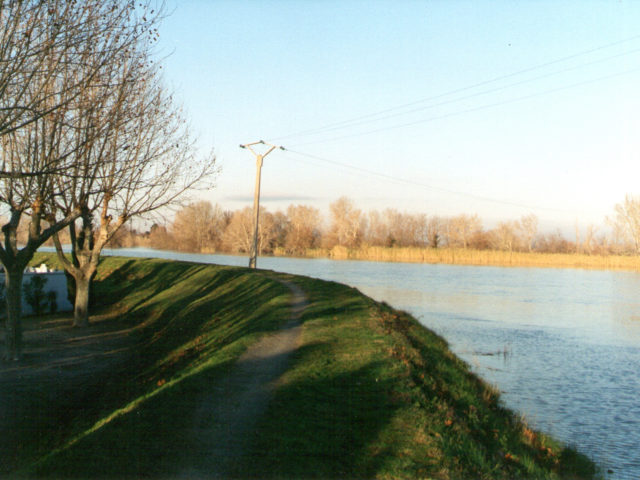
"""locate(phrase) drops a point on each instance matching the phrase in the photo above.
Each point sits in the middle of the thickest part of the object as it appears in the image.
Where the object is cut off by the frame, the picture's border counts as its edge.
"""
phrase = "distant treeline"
(302, 230)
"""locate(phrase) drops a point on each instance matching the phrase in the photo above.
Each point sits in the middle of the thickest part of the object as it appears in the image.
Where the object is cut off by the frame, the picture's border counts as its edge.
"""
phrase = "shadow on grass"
(143, 442)
(159, 435)
(312, 418)
(317, 426)
(181, 316)
(147, 277)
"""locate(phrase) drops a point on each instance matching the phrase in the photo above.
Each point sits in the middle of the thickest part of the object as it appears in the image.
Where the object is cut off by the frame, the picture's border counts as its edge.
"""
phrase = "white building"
(56, 282)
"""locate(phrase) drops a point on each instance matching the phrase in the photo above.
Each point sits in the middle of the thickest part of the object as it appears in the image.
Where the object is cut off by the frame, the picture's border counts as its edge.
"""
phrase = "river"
(562, 345)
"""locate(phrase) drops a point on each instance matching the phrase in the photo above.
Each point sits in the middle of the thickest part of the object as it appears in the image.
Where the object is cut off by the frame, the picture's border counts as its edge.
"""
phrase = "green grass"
(191, 322)
(373, 393)
(370, 394)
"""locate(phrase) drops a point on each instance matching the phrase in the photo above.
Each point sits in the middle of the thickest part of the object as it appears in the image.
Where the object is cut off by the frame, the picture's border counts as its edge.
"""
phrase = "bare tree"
(50, 53)
(42, 42)
(392, 228)
(377, 232)
(141, 161)
(347, 224)
(303, 231)
(528, 227)
(627, 221)
(589, 238)
(281, 226)
(397, 236)
(159, 237)
(26, 198)
(554, 243)
(415, 230)
(405, 229)
(198, 227)
(125, 237)
(505, 236)
(434, 231)
(238, 237)
(461, 229)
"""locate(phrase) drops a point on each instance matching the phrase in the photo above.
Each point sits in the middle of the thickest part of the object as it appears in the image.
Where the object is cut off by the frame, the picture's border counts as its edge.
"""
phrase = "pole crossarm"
(253, 256)
(261, 142)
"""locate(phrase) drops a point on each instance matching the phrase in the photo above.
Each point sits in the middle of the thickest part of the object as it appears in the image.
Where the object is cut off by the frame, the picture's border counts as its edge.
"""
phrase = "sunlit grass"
(369, 394)
(374, 394)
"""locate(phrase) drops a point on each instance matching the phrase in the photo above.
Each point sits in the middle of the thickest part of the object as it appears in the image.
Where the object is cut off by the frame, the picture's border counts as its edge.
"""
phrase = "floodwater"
(563, 345)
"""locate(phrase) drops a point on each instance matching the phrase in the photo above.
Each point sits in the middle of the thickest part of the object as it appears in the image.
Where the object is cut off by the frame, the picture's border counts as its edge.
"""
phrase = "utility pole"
(253, 255)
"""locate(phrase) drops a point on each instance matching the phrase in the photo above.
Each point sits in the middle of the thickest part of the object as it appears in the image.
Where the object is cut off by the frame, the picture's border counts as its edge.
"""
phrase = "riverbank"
(468, 256)
(368, 393)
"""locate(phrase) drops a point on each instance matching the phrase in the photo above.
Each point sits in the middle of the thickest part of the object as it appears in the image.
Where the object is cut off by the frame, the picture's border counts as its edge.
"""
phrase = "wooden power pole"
(253, 255)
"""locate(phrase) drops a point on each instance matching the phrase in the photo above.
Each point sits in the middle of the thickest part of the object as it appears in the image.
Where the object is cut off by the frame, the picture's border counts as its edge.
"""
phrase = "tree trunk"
(13, 330)
(81, 269)
(81, 305)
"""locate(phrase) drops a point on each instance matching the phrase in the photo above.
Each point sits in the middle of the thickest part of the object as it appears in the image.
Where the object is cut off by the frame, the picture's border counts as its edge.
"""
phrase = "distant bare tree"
(280, 229)
(397, 234)
(238, 236)
(528, 227)
(160, 238)
(481, 240)
(434, 231)
(304, 228)
(377, 231)
(405, 229)
(461, 229)
(125, 237)
(602, 245)
(198, 227)
(554, 243)
(505, 236)
(417, 228)
(590, 239)
(347, 224)
(627, 221)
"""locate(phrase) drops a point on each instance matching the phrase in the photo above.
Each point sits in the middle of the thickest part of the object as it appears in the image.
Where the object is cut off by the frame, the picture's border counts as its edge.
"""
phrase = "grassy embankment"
(470, 256)
(370, 393)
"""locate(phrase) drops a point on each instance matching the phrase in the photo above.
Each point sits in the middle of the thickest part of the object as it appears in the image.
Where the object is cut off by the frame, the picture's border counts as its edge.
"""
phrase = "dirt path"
(229, 412)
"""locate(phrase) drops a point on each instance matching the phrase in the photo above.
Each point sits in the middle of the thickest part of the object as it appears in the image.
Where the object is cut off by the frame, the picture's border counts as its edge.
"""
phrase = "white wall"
(56, 282)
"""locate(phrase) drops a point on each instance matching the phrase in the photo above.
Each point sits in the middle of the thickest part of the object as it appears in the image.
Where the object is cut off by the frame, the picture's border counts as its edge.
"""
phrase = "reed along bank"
(470, 256)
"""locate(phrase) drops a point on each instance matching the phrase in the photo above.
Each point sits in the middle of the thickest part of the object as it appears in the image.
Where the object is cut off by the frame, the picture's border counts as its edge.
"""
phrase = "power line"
(471, 110)
(473, 95)
(414, 183)
(348, 122)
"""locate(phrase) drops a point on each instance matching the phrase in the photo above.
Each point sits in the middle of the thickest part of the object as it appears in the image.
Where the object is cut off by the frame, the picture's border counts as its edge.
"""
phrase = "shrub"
(34, 293)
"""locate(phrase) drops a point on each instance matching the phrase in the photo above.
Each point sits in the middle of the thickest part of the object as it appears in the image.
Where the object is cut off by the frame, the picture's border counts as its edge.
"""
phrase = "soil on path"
(228, 413)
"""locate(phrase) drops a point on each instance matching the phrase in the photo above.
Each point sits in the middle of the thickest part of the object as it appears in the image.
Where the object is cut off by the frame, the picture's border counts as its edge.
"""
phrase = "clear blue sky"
(514, 107)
